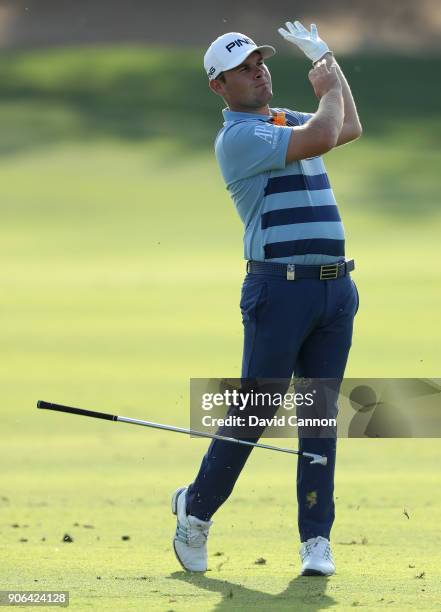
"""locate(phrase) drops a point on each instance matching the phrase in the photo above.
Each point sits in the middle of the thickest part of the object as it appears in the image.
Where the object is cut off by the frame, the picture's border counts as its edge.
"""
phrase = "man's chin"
(267, 96)
(263, 94)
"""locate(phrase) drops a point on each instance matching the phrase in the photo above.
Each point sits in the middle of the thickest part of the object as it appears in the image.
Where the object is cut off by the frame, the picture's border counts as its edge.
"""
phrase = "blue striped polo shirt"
(288, 210)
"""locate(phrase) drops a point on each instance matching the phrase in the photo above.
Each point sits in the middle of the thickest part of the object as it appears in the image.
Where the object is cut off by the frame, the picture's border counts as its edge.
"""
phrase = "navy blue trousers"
(301, 327)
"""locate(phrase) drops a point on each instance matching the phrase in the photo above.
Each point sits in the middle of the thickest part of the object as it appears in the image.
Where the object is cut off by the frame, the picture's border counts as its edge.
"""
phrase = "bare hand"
(323, 79)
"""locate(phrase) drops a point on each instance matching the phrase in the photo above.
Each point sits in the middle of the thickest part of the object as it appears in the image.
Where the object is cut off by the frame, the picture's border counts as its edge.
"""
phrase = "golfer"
(298, 299)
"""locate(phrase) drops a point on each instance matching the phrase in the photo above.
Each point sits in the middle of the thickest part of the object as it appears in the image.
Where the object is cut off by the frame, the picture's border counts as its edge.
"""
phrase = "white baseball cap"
(230, 50)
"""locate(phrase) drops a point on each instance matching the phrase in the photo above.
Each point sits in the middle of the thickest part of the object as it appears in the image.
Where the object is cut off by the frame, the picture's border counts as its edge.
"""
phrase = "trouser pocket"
(357, 296)
(253, 298)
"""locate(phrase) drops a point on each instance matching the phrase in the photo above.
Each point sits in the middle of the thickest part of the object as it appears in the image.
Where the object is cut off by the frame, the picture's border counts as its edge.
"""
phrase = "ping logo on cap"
(229, 50)
(238, 43)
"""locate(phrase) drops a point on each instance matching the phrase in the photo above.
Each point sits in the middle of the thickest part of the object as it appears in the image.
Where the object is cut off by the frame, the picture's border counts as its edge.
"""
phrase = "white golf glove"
(308, 41)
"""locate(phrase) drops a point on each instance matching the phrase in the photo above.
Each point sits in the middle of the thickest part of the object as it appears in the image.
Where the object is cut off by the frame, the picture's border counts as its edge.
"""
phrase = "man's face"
(248, 86)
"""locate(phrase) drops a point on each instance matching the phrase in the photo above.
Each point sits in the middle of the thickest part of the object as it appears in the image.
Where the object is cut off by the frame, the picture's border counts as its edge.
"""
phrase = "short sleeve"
(251, 147)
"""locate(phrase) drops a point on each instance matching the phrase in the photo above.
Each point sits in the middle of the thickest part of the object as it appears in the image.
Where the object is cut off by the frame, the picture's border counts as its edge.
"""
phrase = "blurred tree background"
(348, 25)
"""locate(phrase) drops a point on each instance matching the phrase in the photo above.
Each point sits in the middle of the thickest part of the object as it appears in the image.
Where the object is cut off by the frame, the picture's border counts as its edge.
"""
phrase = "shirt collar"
(230, 116)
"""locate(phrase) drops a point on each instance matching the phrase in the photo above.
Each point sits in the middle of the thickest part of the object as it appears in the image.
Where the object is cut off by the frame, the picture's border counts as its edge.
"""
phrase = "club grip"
(80, 411)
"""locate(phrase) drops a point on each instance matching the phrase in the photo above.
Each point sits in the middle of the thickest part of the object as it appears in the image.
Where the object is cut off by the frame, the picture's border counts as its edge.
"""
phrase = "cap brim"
(266, 51)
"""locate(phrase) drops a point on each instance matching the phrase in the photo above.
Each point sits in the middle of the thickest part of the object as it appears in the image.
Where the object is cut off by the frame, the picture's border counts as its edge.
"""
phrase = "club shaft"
(202, 434)
(192, 432)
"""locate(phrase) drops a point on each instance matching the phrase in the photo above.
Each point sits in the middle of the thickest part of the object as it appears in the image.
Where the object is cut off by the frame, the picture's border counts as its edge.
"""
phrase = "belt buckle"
(329, 271)
(290, 272)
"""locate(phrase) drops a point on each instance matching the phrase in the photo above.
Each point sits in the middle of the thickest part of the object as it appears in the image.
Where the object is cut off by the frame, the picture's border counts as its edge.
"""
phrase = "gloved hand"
(308, 41)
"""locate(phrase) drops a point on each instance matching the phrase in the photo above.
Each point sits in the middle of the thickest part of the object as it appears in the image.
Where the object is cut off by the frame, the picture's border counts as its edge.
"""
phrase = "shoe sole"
(174, 500)
(174, 509)
(312, 572)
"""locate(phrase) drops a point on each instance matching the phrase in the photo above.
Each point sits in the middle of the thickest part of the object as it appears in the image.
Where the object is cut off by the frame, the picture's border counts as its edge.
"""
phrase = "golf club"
(319, 459)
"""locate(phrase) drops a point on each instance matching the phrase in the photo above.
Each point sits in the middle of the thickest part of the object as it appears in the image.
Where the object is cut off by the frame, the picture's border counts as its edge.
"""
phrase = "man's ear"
(216, 87)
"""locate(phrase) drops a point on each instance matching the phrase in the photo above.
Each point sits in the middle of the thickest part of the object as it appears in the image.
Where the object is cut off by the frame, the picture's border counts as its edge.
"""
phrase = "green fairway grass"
(119, 482)
(120, 269)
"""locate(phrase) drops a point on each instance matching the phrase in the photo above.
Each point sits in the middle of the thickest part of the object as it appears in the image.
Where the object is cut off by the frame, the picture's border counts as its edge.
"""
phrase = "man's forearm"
(330, 114)
(350, 110)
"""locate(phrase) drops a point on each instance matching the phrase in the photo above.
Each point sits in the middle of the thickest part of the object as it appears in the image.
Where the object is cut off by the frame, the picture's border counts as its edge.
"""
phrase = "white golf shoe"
(190, 540)
(316, 557)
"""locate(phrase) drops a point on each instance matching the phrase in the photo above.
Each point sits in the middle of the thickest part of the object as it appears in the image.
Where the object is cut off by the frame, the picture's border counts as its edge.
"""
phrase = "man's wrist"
(335, 89)
(328, 54)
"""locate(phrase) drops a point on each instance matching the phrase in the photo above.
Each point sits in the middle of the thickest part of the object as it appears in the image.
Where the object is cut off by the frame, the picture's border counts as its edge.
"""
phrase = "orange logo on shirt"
(279, 118)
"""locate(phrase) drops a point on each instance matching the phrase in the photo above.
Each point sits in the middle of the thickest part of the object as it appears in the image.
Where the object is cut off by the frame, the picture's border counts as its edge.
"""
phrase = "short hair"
(221, 77)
